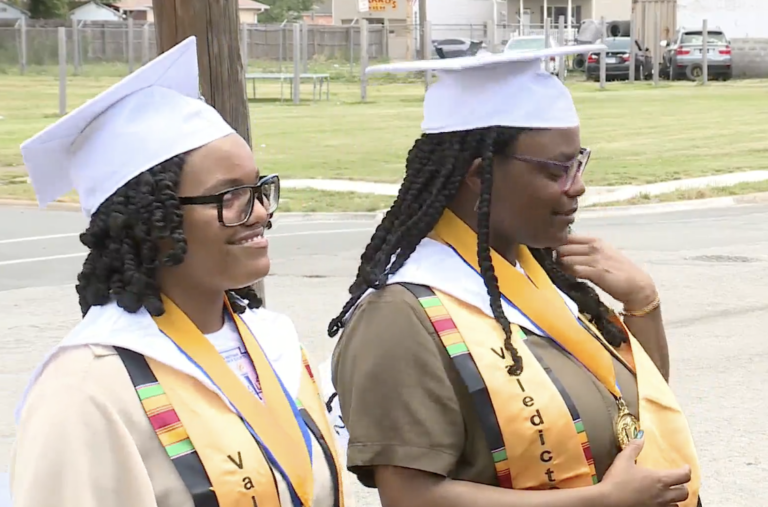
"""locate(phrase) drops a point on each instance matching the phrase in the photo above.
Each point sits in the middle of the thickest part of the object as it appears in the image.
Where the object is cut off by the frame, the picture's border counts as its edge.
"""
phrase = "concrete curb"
(667, 207)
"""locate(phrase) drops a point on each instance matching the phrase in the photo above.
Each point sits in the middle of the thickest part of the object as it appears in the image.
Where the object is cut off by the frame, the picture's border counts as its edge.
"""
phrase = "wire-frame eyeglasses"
(571, 169)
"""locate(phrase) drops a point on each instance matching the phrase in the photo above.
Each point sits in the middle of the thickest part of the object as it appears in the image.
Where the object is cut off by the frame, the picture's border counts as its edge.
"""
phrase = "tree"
(281, 10)
(48, 9)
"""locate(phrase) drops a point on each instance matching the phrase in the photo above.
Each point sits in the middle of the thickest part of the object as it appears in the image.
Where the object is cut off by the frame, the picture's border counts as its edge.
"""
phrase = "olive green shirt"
(404, 403)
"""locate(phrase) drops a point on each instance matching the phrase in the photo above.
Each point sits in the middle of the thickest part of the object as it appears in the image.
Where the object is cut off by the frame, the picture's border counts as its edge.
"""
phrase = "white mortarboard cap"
(150, 116)
(494, 90)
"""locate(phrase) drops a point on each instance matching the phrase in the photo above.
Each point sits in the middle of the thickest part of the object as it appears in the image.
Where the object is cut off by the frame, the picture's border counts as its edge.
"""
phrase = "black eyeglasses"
(571, 169)
(235, 205)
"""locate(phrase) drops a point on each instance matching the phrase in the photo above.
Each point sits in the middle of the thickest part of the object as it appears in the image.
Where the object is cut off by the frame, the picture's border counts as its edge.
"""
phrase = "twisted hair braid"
(123, 239)
(435, 167)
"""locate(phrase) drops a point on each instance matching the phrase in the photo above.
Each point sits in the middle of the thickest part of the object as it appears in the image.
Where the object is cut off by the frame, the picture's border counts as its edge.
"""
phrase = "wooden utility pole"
(215, 23)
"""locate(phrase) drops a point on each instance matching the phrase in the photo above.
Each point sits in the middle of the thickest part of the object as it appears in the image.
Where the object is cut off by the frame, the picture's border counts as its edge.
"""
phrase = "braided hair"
(123, 239)
(435, 168)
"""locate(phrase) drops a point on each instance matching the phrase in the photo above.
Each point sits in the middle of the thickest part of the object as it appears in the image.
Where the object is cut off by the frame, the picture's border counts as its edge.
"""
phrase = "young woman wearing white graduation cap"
(176, 389)
(475, 368)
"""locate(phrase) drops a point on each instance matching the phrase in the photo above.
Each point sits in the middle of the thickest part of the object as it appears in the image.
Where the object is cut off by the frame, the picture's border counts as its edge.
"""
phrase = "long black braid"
(435, 168)
(123, 239)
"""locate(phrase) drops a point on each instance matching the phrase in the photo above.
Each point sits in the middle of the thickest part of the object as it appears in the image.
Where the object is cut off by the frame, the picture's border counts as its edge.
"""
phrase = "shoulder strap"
(470, 374)
(169, 428)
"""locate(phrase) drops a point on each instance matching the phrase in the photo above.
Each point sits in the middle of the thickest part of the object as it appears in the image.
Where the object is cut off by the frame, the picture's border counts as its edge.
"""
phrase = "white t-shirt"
(229, 344)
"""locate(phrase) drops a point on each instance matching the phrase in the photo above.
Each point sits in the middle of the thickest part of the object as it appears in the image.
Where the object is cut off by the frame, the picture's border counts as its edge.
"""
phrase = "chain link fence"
(118, 48)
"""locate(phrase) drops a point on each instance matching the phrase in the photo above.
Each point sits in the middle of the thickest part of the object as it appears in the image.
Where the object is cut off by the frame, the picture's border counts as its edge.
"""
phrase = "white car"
(535, 43)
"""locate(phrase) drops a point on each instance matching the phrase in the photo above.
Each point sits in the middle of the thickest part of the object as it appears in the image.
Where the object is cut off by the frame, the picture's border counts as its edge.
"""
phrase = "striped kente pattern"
(305, 360)
(164, 420)
(577, 422)
(462, 359)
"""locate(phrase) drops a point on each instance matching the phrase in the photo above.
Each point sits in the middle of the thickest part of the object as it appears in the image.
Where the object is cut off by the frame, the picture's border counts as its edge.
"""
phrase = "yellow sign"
(382, 5)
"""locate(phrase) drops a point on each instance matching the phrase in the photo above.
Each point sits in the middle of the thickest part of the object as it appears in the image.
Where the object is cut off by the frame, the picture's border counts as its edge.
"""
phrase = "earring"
(477, 203)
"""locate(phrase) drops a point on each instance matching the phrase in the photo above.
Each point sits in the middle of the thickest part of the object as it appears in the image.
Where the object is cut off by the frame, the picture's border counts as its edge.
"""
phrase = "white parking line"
(37, 238)
(40, 259)
(83, 254)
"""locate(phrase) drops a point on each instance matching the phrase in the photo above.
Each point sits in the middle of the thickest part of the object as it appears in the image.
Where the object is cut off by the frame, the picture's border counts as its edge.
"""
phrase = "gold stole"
(311, 400)
(536, 425)
(240, 474)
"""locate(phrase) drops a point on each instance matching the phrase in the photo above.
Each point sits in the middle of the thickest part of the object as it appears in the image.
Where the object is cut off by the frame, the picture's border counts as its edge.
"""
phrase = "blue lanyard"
(538, 330)
(294, 408)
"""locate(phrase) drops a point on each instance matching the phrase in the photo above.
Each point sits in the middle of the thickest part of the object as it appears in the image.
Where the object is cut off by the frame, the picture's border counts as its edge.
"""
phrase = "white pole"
(568, 21)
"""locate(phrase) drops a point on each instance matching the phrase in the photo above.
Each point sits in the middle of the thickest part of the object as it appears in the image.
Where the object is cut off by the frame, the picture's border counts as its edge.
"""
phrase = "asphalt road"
(710, 267)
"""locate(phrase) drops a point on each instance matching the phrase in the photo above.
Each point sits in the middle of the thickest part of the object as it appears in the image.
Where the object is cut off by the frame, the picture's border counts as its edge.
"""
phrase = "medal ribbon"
(276, 424)
(536, 297)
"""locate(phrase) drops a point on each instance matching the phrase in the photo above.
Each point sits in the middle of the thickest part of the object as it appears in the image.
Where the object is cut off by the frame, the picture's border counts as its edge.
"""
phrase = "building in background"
(141, 10)
(321, 13)
(94, 11)
(534, 14)
(10, 11)
(250, 10)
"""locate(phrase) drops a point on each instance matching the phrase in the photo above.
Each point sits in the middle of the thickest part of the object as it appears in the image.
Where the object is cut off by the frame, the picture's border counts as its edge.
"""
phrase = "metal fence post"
(244, 45)
(633, 49)
(145, 44)
(76, 46)
(704, 52)
(130, 46)
(561, 42)
(656, 48)
(603, 36)
(305, 46)
(62, 71)
(296, 63)
(23, 55)
(426, 51)
(363, 59)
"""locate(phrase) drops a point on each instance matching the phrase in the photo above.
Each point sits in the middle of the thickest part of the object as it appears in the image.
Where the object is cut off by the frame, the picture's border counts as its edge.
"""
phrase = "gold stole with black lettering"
(538, 439)
(239, 472)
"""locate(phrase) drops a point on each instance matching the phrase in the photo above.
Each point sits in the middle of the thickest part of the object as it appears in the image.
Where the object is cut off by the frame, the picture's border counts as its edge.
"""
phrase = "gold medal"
(627, 425)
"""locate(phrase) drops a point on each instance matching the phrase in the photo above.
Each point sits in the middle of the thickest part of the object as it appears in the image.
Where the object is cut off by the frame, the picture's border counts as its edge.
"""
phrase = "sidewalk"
(593, 195)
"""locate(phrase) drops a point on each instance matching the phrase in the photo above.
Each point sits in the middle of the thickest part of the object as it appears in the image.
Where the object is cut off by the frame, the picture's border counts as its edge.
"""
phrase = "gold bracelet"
(643, 311)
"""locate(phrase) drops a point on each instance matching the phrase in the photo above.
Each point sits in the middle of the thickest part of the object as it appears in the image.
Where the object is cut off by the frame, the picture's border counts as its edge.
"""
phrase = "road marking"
(74, 234)
(37, 238)
(40, 259)
(83, 254)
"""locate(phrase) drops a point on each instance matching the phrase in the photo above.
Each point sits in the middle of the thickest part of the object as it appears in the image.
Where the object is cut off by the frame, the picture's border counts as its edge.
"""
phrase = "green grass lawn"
(638, 133)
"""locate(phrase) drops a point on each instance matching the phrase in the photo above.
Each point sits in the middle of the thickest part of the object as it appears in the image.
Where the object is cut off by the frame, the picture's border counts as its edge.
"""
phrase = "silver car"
(535, 43)
(683, 59)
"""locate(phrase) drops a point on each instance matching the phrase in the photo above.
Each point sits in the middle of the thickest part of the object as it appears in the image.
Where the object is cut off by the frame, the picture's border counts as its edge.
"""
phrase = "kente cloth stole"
(532, 426)
(178, 445)
(227, 457)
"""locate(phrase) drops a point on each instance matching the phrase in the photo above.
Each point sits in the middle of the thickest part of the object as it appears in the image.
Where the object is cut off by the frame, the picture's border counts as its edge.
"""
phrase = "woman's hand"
(592, 259)
(630, 485)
